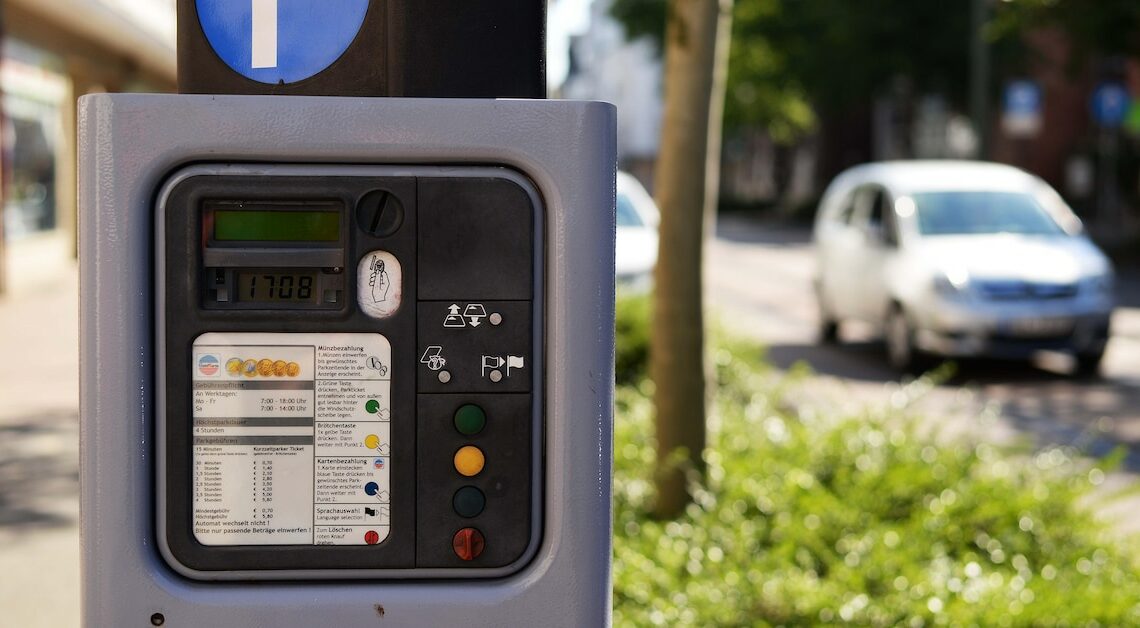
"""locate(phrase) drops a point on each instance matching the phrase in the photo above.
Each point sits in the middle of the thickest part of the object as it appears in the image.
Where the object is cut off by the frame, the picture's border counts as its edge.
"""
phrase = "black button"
(468, 501)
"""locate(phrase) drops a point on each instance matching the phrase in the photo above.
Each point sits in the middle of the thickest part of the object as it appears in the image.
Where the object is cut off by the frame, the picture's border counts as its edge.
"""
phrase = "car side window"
(874, 213)
(862, 206)
(847, 209)
(882, 219)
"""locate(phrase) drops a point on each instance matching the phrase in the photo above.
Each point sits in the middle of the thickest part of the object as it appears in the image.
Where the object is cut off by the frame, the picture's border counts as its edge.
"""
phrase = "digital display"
(277, 286)
(265, 225)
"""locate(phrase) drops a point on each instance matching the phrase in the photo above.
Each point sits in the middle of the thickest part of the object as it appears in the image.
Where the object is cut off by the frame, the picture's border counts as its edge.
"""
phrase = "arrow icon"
(474, 312)
(453, 319)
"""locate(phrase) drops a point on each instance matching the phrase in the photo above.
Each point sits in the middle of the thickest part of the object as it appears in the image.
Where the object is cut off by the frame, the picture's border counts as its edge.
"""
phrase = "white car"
(636, 247)
(957, 258)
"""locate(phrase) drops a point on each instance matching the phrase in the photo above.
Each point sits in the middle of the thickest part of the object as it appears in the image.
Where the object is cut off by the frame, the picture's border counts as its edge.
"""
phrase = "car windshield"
(979, 212)
(627, 216)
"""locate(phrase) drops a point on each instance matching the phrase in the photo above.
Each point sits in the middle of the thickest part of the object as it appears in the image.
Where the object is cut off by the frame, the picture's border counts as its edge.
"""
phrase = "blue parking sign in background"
(273, 41)
(1022, 98)
(1110, 103)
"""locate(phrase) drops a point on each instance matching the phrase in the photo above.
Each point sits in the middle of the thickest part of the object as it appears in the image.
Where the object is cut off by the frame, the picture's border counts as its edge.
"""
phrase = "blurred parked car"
(637, 220)
(960, 259)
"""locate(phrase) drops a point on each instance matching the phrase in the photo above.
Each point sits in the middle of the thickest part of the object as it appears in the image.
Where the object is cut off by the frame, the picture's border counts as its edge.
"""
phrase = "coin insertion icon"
(249, 368)
(233, 366)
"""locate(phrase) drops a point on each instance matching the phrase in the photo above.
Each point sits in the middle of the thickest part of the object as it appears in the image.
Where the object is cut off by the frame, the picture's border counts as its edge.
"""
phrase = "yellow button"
(469, 460)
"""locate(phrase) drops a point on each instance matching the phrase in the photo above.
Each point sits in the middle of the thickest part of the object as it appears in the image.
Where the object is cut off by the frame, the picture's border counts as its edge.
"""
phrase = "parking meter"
(346, 361)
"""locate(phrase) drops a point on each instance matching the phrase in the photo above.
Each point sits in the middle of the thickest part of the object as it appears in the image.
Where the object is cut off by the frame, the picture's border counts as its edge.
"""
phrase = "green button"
(470, 419)
(372, 406)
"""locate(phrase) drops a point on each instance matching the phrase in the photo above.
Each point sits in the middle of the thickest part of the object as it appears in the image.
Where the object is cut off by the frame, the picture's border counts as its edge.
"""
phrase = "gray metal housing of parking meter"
(345, 361)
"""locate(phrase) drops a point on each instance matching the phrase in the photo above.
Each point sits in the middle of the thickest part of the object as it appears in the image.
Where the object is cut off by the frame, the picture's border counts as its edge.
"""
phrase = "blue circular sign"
(1022, 98)
(280, 41)
(1110, 103)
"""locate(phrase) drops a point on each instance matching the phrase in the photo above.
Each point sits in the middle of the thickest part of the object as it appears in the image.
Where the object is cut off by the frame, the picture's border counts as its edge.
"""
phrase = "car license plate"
(1037, 327)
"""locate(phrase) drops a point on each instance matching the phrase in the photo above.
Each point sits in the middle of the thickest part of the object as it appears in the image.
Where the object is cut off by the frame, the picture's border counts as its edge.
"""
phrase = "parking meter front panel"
(351, 369)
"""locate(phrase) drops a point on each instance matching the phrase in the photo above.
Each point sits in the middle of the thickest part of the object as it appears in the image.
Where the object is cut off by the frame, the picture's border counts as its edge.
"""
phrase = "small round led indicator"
(469, 461)
(468, 501)
(468, 543)
(470, 419)
(372, 406)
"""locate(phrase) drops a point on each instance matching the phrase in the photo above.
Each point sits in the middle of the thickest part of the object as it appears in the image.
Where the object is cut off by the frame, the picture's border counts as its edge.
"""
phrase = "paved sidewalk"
(39, 437)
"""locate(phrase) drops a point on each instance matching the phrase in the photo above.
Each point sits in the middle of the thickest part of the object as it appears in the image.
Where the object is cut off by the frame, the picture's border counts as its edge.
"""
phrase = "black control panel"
(352, 370)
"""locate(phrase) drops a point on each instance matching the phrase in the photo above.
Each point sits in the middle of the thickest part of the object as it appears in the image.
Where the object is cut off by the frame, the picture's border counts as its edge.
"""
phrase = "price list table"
(291, 439)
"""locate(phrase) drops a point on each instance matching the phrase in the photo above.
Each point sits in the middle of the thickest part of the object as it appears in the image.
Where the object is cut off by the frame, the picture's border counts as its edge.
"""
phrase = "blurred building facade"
(604, 66)
(53, 52)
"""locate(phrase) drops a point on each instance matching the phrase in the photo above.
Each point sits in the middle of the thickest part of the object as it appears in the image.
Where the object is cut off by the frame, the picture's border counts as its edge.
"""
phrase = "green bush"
(812, 520)
(633, 321)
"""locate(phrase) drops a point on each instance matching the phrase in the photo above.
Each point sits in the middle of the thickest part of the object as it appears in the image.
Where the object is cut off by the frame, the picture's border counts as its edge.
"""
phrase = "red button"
(468, 543)
(372, 537)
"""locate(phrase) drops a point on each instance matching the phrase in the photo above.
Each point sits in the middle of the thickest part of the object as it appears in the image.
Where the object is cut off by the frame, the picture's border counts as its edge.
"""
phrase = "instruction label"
(292, 438)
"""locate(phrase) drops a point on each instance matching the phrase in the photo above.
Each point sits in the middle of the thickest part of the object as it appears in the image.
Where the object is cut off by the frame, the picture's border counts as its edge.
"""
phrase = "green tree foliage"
(1104, 27)
(792, 57)
(841, 52)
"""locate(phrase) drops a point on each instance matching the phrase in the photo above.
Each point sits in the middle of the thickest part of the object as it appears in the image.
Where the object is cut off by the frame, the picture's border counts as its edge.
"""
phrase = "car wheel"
(1088, 364)
(899, 336)
(828, 330)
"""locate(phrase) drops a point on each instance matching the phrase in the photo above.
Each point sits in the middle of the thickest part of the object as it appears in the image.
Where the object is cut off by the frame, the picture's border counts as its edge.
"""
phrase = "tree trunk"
(687, 181)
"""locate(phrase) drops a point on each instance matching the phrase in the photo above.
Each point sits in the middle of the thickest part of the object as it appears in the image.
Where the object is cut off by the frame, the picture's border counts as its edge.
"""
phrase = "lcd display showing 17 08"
(277, 285)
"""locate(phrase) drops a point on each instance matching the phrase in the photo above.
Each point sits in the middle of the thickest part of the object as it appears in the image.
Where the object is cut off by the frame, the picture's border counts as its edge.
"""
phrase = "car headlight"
(953, 284)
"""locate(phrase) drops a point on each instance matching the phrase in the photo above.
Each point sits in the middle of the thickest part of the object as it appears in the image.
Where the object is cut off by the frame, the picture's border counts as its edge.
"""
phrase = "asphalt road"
(758, 280)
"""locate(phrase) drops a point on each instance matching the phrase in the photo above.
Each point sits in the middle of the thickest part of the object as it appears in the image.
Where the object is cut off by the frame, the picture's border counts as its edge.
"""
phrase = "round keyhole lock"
(379, 213)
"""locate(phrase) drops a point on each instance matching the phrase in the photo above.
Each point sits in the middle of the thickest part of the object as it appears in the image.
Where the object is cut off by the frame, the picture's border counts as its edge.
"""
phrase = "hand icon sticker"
(379, 280)
(379, 284)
